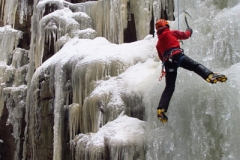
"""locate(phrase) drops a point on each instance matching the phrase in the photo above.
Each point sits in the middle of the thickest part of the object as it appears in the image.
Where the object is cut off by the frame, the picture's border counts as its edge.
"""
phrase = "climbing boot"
(215, 77)
(161, 116)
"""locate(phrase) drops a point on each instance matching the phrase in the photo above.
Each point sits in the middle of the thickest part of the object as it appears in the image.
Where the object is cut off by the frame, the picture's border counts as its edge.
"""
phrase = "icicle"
(2, 4)
(74, 119)
(60, 80)
(24, 10)
(49, 38)
(9, 39)
(10, 9)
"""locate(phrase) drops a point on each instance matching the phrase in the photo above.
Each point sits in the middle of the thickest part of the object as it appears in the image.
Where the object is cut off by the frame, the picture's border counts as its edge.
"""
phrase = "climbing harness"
(168, 54)
(169, 57)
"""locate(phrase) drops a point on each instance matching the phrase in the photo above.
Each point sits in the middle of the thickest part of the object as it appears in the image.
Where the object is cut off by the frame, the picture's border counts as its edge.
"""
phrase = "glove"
(190, 30)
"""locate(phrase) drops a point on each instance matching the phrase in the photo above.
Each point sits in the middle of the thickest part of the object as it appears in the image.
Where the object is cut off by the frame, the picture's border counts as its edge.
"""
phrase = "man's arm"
(182, 35)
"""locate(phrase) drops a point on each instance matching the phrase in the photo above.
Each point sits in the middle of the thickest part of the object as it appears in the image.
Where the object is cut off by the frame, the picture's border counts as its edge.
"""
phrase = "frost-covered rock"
(123, 138)
(87, 81)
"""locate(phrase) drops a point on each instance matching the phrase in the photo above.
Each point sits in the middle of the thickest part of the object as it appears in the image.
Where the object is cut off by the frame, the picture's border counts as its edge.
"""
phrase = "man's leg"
(168, 91)
(189, 64)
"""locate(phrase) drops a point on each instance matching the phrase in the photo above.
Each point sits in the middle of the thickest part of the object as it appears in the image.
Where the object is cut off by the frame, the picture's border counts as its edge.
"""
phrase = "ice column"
(9, 39)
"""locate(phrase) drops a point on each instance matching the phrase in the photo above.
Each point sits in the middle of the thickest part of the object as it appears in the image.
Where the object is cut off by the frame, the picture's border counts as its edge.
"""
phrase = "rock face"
(49, 110)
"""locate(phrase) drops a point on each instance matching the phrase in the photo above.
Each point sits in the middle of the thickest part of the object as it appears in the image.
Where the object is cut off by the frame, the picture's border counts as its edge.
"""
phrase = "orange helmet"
(161, 23)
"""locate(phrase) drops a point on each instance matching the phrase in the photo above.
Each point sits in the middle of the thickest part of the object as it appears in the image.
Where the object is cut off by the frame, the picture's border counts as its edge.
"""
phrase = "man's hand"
(190, 30)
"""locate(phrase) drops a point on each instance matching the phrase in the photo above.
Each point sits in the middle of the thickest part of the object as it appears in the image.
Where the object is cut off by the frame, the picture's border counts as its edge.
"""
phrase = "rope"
(178, 18)
(178, 14)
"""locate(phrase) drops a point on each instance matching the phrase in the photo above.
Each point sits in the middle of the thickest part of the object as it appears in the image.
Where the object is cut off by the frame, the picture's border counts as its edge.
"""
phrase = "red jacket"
(168, 39)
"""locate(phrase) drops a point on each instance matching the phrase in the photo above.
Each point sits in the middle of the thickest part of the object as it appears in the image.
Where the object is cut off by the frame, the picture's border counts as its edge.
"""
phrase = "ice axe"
(185, 17)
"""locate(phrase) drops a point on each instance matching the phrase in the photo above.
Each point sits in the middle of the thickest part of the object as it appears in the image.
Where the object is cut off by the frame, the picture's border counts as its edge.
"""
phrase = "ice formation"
(9, 39)
(59, 22)
(78, 71)
(10, 9)
(124, 133)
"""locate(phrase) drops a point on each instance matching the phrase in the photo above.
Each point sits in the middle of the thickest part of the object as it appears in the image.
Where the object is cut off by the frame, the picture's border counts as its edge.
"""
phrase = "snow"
(124, 136)
(123, 128)
(64, 15)
(100, 49)
(42, 3)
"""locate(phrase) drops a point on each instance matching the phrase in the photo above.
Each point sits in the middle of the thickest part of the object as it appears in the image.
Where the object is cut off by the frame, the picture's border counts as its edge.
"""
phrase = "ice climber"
(172, 57)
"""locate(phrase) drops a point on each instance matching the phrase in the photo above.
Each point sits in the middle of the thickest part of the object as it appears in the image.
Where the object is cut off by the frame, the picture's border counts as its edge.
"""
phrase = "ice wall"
(203, 118)
(110, 17)
(215, 25)
(53, 23)
(110, 21)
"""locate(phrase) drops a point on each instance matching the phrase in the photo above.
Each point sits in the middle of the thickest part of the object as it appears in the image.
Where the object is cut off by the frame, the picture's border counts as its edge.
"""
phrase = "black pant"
(179, 60)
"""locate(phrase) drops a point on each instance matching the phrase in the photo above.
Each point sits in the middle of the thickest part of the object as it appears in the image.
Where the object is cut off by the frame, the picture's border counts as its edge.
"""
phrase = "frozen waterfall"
(203, 118)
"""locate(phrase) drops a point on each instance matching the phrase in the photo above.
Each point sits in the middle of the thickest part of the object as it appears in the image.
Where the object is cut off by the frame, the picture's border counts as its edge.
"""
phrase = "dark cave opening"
(130, 31)
(152, 25)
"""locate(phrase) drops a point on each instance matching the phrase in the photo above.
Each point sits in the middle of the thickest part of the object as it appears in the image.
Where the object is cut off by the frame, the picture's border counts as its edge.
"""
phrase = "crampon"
(215, 77)
(161, 116)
